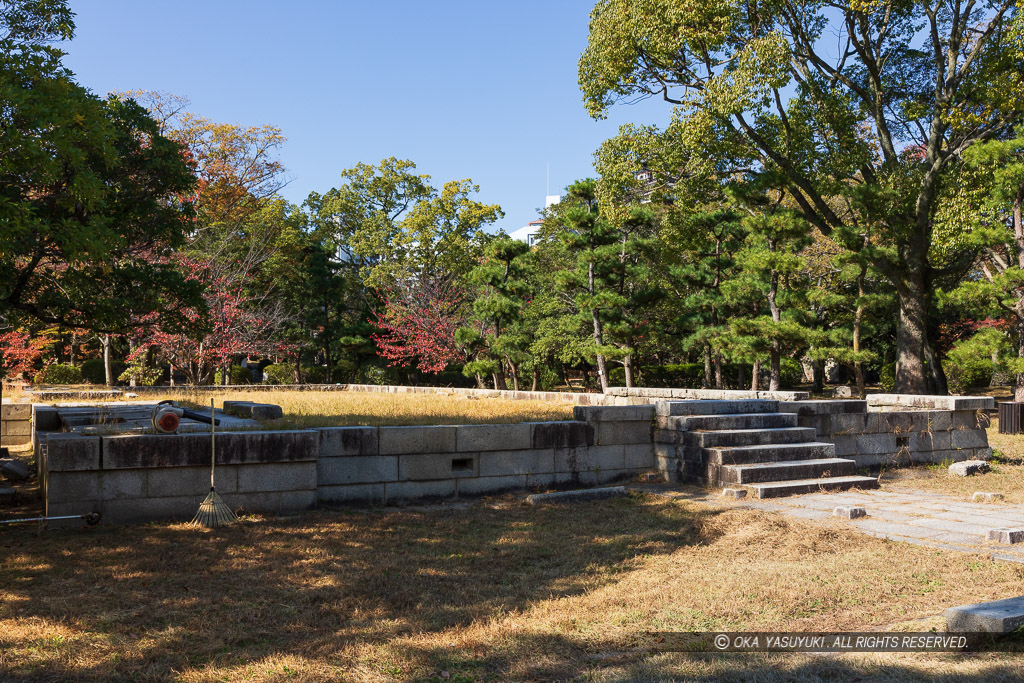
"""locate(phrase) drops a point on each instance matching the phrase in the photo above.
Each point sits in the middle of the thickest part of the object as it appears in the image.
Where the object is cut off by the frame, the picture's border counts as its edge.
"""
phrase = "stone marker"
(986, 497)
(999, 616)
(734, 493)
(842, 391)
(8, 496)
(16, 470)
(576, 496)
(968, 467)
(849, 512)
(1006, 536)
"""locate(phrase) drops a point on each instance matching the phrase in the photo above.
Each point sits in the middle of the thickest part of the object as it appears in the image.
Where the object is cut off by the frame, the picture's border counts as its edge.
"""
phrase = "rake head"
(214, 512)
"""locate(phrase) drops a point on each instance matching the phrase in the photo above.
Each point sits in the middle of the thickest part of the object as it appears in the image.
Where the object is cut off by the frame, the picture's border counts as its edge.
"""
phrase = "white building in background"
(530, 233)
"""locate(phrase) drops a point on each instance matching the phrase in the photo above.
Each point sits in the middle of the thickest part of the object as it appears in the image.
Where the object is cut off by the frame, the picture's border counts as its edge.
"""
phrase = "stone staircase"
(749, 443)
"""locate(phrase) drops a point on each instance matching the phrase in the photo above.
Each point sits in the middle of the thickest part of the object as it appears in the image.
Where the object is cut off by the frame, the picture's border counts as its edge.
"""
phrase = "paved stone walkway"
(931, 519)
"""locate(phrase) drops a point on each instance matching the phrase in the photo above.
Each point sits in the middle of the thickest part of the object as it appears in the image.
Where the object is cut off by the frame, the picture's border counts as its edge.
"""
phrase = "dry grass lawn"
(1006, 475)
(493, 590)
(342, 408)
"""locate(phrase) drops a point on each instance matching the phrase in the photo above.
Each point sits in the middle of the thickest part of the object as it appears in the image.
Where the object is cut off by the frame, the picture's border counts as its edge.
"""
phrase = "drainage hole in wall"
(462, 464)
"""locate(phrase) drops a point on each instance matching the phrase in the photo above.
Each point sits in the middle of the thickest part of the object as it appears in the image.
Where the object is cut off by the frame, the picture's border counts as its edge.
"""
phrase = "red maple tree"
(418, 322)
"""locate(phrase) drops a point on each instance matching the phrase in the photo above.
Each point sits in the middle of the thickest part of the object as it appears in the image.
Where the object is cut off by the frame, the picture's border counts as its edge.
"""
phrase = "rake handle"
(213, 444)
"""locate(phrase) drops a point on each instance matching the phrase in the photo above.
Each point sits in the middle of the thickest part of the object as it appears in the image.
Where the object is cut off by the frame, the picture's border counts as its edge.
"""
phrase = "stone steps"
(794, 487)
(750, 437)
(717, 407)
(735, 421)
(787, 471)
(761, 453)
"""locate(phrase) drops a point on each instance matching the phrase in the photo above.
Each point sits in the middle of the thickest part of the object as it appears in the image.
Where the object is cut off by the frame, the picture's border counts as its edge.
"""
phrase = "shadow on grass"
(141, 600)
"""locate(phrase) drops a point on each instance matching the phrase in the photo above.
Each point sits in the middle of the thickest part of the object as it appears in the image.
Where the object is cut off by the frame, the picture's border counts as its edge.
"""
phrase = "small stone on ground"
(1006, 536)
(986, 497)
(998, 616)
(734, 493)
(968, 467)
(16, 470)
(849, 512)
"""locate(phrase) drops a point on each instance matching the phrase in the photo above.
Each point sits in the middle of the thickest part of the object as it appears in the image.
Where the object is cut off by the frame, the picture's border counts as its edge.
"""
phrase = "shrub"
(93, 372)
(314, 374)
(239, 375)
(791, 373)
(887, 377)
(376, 374)
(59, 373)
(147, 377)
(279, 373)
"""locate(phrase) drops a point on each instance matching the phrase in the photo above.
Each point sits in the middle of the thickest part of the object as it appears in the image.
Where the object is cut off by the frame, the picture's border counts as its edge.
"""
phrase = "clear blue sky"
(468, 89)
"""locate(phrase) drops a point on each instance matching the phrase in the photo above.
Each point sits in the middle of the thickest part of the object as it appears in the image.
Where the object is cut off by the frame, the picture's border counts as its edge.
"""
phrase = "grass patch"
(494, 590)
(1006, 475)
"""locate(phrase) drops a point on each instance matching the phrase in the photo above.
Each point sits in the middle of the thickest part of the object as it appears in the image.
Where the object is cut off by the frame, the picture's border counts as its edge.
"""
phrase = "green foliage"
(970, 362)
(239, 375)
(142, 375)
(59, 373)
(94, 373)
(279, 373)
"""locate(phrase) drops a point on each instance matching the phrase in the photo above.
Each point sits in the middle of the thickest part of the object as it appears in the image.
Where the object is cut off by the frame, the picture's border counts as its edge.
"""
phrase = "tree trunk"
(776, 352)
(602, 370)
(858, 319)
(718, 371)
(627, 366)
(741, 376)
(298, 371)
(707, 367)
(535, 376)
(912, 336)
(108, 371)
(755, 379)
(818, 376)
(1018, 233)
(514, 371)
(480, 382)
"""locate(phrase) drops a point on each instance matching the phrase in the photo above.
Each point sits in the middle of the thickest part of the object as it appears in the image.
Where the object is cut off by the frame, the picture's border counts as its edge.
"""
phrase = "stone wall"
(642, 393)
(133, 478)
(15, 424)
(900, 429)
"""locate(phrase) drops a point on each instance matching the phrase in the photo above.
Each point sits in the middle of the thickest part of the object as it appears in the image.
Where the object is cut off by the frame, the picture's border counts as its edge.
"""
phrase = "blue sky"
(479, 90)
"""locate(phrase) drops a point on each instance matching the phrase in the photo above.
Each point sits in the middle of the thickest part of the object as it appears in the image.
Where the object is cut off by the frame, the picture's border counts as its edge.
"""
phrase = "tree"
(502, 287)
(871, 131)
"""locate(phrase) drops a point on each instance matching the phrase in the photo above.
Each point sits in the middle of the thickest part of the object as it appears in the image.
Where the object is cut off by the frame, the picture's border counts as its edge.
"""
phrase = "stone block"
(846, 444)
(893, 422)
(579, 459)
(289, 476)
(356, 493)
(128, 484)
(965, 419)
(638, 456)
(422, 439)
(877, 444)
(18, 428)
(15, 470)
(16, 411)
(45, 418)
(403, 491)
(563, 497)
(564, 434)
(71, 487)
(932, 402)
(13, 440)
(848, 423)
(188, 481)
(998, 616)
(715, 407)
(809, 408)
(668, 436)
(356, 470)
(968, 467)
(931, 441)
(171, 509)
(969, 438)
(986, 497)
(635, 413)
(932, 420)
(506, 463)
(252, 410)
(133, 451)
(429, 466)
(849, 512)
(344, 441)
(8, 496)
(733, 493)
(498, 437)
(70, 453)
(478, 486)
(610, 433)
(1006, 536)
